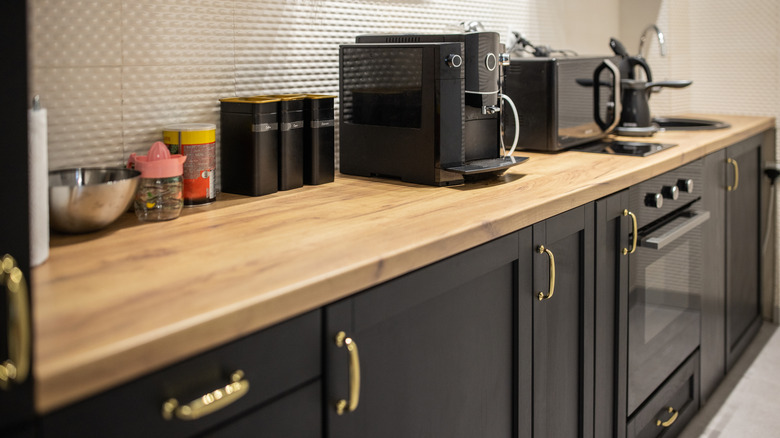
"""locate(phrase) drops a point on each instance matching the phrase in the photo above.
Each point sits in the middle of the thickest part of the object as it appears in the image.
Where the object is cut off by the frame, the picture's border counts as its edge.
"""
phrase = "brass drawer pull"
(733, 162)
(541, 250)
(354, 374)
(634, 233)
(671, 420)
(17, 367)
(209, 403)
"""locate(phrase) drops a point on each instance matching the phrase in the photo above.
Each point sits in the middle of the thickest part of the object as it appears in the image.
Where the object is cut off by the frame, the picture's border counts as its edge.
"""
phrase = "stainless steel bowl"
(87, 199)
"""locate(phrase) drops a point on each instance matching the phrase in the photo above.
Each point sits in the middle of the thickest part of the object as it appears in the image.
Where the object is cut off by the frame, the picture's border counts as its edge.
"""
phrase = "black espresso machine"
(423, 108)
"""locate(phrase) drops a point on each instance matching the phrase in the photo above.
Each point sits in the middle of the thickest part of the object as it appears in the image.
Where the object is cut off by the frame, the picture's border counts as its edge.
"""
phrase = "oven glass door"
(665, 278)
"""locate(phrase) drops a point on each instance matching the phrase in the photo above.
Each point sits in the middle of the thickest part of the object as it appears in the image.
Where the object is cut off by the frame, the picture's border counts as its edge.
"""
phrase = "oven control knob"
(454, 60)
(654, 200)
(670, 192)
(685, 185)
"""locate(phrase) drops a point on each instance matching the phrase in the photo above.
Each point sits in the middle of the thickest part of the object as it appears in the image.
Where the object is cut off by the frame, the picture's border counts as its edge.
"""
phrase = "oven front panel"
(665, 279)
(664, 312)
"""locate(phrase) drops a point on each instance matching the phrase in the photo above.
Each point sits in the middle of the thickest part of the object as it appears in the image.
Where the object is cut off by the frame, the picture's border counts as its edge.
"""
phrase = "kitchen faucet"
(660, 36)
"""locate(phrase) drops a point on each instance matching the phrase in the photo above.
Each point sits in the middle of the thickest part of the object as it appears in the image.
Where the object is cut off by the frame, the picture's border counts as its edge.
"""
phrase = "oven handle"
(658, 241)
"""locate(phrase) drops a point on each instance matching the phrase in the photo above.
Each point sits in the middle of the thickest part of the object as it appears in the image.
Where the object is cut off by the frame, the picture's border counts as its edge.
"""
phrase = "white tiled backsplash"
(112, 73)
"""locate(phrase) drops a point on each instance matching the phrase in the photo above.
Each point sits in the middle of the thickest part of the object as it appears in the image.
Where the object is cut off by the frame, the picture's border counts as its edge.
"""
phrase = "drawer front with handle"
(205, 391)
(666, 412)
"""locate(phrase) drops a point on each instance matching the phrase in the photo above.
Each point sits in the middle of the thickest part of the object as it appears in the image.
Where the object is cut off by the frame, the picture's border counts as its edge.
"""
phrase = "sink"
(687, 124)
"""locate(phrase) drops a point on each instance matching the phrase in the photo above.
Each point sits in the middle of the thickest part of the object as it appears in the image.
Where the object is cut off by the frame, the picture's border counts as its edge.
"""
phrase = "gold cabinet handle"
(17, 367)
(209, 403)
(671, 420)
(541, 250)
(634, 233)
(354, 374)
(733, 162)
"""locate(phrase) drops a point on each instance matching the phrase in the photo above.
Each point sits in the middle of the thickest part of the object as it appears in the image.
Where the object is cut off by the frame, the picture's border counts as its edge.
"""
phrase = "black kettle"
(635, 118)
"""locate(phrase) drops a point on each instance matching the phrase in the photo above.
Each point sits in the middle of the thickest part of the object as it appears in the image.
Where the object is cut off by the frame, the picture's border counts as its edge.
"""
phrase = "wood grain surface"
(113, 305)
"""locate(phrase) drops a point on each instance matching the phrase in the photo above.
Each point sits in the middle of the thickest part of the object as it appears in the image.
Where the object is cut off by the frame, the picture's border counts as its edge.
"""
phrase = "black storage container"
(319, 139)
(290, 140)
(249, 145)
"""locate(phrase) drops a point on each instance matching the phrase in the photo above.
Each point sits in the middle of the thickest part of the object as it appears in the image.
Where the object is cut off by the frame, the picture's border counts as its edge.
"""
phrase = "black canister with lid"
(249, 145)
(319, 139)
(290, 140)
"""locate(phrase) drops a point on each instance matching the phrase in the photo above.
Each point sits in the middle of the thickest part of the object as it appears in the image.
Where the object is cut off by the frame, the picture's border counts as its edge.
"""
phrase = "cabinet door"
(613, 250)
(15, 401)
(743, 231)
(563, 325)
(713, 304)
(436, 350)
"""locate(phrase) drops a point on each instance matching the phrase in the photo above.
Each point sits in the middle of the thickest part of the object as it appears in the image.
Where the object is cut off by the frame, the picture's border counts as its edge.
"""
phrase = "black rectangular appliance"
(421, 108)
(665, 278)
(557, 105)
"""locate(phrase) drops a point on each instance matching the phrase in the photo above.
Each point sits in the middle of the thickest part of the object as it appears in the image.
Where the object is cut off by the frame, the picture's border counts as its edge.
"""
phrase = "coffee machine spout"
(491, 109)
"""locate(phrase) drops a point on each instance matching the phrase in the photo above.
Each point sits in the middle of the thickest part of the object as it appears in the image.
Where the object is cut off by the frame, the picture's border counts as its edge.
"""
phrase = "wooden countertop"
(116, 304)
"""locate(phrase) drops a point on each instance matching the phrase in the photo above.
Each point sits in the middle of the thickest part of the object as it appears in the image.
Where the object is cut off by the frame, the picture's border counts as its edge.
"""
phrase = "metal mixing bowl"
(87, 199)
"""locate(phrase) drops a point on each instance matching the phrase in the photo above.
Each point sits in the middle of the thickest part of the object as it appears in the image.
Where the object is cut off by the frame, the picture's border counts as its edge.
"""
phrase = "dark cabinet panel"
(671, 407)
(16, 403)
(743, 231)
(274, 361)
(296, 415)
(563, 325)
(435, 350)
(713, 304)
(611, 341)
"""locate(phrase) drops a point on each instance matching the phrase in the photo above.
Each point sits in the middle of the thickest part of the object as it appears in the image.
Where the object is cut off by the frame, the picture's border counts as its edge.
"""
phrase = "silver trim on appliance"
(658, 241)
(617, 105)
(488, 61)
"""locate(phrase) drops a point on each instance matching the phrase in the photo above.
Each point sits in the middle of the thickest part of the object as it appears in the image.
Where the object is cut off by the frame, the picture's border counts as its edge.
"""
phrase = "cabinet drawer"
(298, 414)
(274, 361)
(669, 409)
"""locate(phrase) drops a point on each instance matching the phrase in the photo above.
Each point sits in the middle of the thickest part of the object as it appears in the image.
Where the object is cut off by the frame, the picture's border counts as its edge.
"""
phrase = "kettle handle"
(614, 104)
(638, 60)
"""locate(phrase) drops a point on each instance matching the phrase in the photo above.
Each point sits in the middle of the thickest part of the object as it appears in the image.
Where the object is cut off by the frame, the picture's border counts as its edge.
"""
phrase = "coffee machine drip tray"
(486, 167)
(616, 147)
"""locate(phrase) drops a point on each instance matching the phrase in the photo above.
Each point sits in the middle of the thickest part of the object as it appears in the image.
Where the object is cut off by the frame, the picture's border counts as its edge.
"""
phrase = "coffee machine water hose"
(517, 127)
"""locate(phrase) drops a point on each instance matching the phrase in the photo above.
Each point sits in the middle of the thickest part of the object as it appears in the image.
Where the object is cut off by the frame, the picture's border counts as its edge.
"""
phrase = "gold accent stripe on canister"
(189, 137)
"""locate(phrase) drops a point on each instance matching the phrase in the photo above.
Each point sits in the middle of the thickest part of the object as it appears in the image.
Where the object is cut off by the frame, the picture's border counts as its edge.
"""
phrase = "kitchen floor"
(747, 402)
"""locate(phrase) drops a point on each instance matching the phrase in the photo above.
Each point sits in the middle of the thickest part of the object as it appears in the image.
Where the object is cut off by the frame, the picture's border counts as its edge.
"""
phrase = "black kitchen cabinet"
(743, 244)
(16, 400)
(612, 232)
(563, 325)
(435, 353)
(731, 301)
(275, 389)
(713, 300)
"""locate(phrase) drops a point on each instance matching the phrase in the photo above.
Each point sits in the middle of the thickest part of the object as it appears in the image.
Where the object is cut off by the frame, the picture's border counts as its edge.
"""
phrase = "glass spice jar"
(159, 199)
(159, 194)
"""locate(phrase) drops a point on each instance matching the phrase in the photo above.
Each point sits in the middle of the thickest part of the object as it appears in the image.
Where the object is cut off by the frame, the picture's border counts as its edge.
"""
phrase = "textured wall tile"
(84, 114)
(177, 32)
(75, 33)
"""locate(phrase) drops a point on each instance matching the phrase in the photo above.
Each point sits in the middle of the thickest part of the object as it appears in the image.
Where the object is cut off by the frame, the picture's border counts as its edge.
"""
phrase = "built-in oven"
(665, 278)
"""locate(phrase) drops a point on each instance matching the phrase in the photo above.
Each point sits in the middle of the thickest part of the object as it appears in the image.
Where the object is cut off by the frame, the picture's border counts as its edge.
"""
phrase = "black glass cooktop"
(633, 148)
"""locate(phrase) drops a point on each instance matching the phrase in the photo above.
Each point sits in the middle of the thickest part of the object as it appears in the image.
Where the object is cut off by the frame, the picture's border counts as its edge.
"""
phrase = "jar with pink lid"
(159, 195)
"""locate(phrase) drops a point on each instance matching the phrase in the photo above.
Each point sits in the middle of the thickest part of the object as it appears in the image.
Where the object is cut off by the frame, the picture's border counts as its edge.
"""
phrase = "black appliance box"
(249, 149)
(291, 133)
(555, 100)
(319, 139)
(401, 111)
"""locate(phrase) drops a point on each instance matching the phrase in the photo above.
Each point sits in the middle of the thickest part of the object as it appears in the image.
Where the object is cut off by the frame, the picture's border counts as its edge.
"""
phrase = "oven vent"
(402, 39)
